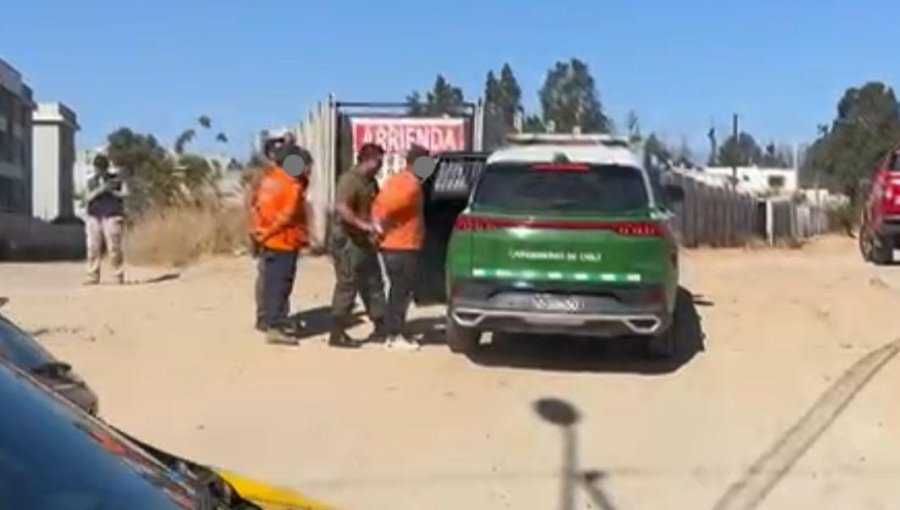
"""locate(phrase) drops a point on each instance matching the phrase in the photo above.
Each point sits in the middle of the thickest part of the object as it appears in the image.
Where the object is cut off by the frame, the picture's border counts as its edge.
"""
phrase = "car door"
(445, 193)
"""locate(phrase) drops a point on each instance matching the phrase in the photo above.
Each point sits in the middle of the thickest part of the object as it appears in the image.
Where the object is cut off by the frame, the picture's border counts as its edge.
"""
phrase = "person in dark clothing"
(352, 242)
(104, 227)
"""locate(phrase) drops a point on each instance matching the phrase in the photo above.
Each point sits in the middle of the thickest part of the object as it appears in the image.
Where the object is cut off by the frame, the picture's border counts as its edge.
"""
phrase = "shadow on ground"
(317, 321)
(167, 277)
(566, 354)
(573, 479)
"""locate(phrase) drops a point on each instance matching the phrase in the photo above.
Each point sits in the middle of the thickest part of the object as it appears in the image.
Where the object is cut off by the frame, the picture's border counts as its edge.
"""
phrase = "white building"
(53, 187)
(16, 104)
(779, 181)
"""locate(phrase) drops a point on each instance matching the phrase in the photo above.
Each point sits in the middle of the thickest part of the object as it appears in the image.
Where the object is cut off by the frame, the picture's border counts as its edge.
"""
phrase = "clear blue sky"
(155, 65)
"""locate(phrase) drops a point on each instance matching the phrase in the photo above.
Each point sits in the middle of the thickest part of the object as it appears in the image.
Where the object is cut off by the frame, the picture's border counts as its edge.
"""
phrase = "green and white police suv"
(568, 235)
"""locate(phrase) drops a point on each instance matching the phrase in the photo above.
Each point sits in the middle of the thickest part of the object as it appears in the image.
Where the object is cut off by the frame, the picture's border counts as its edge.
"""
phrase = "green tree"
(187, 136)
(744, 151)
(775, 157)
(415, 105)
(503, 96)
(155, 177)
(569, 99)
(204, 122)
(491, 89)
(533, 124)
(146, 167)
(444, 98)
(866, 126)
(656, 148)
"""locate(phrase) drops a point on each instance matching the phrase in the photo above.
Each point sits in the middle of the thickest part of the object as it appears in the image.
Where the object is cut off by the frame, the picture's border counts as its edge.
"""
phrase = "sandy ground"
(177, 363)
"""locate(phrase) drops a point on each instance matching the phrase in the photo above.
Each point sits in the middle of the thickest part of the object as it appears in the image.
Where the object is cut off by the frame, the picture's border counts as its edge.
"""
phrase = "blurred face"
(373, 165)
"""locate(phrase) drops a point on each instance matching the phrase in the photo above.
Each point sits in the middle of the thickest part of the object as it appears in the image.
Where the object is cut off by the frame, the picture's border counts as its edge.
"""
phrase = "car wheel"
(882, 250)
(668, 344)
(865, 243)
(461, 340)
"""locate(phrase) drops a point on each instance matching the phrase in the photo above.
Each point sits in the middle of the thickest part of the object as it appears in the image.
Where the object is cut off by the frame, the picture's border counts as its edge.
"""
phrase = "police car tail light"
(469, 223)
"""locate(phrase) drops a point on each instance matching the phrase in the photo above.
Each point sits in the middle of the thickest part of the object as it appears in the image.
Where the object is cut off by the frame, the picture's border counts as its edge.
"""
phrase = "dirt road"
(178, 363)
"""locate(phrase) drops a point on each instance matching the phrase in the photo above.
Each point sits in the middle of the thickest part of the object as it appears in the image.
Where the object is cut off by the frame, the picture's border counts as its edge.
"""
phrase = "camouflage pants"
(356, 271)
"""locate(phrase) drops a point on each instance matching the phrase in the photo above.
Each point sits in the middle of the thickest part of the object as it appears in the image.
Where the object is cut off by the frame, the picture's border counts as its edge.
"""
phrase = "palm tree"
(186, 137)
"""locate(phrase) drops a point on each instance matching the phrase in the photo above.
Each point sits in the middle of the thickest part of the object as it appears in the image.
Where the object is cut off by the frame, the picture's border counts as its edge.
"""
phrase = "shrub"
(843, 217)
(179, 235)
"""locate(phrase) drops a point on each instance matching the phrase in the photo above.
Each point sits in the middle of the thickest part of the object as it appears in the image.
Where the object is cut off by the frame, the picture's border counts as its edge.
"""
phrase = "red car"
(879, 232)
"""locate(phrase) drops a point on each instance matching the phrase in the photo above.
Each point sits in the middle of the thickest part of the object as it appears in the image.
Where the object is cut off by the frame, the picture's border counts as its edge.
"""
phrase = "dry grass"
(177, 236)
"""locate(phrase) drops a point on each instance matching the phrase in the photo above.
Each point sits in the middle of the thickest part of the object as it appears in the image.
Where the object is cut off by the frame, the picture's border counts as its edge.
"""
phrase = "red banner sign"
(396, 135)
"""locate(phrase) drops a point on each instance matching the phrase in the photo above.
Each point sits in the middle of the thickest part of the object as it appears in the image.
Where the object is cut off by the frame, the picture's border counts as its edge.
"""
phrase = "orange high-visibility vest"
(399, 207)
(279, 194)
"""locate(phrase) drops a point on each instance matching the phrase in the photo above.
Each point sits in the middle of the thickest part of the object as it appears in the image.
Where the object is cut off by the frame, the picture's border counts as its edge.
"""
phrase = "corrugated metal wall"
(318, 134)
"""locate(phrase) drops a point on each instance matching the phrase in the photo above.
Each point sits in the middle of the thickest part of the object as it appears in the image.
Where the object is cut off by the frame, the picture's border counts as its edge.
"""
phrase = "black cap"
(101, 162)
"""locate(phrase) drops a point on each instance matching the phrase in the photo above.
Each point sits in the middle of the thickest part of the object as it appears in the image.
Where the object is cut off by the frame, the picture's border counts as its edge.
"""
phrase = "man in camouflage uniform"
(353, 245)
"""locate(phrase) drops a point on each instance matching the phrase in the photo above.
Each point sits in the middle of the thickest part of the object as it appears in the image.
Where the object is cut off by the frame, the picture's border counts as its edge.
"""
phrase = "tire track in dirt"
(756, 484)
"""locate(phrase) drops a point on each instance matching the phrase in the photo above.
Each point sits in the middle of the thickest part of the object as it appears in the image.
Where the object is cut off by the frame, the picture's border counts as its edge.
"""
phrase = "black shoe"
(378, 335)
(340, 338)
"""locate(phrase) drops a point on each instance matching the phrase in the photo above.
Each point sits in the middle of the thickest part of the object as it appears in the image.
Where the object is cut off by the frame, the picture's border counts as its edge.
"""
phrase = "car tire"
(667, 344)
(462, 340)
(875, 248)
(663, 346)
(865, 243)
(882, 250)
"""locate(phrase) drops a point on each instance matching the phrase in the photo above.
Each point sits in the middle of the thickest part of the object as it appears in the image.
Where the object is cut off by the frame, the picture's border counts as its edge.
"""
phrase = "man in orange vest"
(280, 230)
(398, 211)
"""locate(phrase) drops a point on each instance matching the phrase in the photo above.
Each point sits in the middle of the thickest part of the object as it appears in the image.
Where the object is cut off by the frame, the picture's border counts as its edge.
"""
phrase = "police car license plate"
(557, 303)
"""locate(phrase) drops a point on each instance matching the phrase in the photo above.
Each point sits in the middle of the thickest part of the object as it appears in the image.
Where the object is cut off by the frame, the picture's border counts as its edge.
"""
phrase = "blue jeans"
(274, 283)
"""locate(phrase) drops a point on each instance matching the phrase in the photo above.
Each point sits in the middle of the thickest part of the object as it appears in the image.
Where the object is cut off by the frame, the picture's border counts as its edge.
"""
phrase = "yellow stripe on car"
(270, 497)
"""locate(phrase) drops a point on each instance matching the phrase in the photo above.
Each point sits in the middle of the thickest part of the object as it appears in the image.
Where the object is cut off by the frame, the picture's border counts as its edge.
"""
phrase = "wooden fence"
(720, 216)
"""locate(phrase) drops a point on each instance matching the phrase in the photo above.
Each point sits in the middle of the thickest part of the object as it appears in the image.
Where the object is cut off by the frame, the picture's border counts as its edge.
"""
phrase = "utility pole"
(734, 134)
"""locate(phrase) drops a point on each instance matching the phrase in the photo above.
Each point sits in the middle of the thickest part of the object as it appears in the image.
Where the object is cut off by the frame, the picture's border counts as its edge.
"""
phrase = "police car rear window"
(601, 189)
(454, 177)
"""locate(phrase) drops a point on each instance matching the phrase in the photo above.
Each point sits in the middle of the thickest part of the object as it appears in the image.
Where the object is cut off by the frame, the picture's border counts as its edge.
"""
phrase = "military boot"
(379, 334)
(339, 337)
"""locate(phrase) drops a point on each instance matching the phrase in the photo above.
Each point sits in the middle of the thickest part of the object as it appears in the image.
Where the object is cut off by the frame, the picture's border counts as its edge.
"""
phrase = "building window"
(776, 181)
(7, 119)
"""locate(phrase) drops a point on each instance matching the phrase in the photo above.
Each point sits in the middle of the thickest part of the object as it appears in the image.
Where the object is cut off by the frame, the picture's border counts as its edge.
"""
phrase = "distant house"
(756, 180)
(53, 183)
(16, 105)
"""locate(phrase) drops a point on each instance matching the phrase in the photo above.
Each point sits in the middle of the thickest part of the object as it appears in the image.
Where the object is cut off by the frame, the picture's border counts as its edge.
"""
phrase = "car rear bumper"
(888, 225)
(582, 324)
(601, 316)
